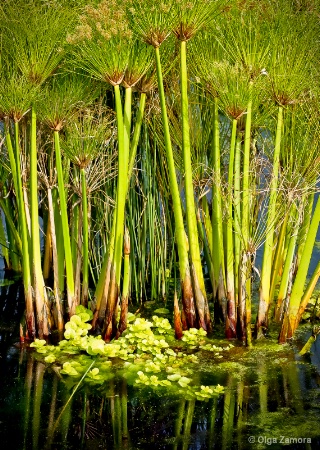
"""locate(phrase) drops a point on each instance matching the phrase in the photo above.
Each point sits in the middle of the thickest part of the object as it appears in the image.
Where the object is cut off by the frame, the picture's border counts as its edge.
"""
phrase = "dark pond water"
(272, 400)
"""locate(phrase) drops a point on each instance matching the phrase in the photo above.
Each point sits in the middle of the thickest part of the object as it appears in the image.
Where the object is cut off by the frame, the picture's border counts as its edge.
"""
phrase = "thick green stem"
(278, 257)
(246, 269)
(85, 239)
(136, 134)
(123, 159)
(126, 285)
(38, 281)
(309, 291)
(26, 271)
(264, 300)
(60, 242)
(187, 293)
(65, 228)
(231, 307)
(11, 225)
(194, 249)
(56, 285)
(246, 176)
(237, 213)
(217, 236)
(287, 269)
(290, 320)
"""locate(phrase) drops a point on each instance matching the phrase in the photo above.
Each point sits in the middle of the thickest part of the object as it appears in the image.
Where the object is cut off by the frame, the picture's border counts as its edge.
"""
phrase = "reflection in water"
(266, 398)
(268, 395)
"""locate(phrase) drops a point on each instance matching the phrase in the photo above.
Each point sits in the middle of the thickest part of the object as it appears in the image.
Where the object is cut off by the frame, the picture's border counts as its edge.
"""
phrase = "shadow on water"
(271, 401)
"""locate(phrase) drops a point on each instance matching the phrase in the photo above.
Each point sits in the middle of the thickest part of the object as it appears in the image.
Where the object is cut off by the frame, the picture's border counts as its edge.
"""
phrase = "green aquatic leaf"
(162, 311)
(184, 381)
(174, 377)
(38, 343)
(68, 369)
(50, 359)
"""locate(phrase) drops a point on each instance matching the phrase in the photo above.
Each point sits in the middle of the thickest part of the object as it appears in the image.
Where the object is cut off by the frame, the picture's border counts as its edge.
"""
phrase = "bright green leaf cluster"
(147, 359)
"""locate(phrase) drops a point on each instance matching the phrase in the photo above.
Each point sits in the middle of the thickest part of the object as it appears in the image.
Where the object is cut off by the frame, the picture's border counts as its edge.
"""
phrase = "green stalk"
(187, 293)
(85, 239)
(60, 242)
(287, 269)
(217, 234)
(14, 254)
(126, 285)
(237, 227)
(136, 134)
(309, 291)
(303, 231)
(56, 282)
(194, 248)
(278, 257)
(290, 321)
(123, 159)
(206, 250)
(101, 292)
(65, 228)
(208, 229)
(231, 307)
(246, 175)
(38, 286)
(26, 271)
(75, 230)
(47, 256)
(123, 125)
(4, 244)
(11, 225)
(246, 271)
(264, 299)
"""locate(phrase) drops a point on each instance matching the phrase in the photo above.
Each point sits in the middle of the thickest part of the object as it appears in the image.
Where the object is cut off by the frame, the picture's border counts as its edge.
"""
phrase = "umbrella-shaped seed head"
(63, 97)
(192, 16)
(103, 41)
(88, 136)
(140, 61)
(16, 96)
(153, 20)
(34, 37)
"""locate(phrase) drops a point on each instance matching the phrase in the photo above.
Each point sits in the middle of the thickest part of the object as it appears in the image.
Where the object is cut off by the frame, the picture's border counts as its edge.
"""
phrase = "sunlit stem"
(309, 291)
(217, 237)
(264, 301)
(85, 239)
(56, 286)
(237, 215)
(287, 269)
(301, 276)
(245, 217)
(278, 257)
(136, 134)
(65, 228)
(14, 156)
(176, 200)
(194, 248)
(123, 159)
(231, 306)
(38, 282)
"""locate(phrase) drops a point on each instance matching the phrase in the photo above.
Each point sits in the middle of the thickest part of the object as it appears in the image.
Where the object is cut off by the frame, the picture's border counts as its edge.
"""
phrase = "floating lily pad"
(162, 311)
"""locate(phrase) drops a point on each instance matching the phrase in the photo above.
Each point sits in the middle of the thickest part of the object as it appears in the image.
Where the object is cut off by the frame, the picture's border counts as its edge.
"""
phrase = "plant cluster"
(160, 146)
(147, 354)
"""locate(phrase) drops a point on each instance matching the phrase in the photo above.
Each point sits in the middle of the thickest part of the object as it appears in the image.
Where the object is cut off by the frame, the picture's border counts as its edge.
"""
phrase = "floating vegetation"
(146, 354)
